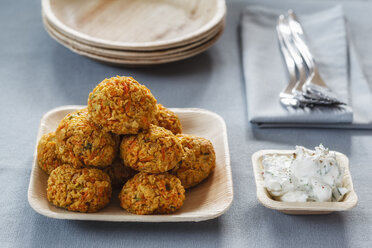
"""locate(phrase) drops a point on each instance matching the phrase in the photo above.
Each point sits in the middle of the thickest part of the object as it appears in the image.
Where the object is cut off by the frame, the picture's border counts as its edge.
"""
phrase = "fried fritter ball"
(80, 142)
(46, 153)
(152, 194)
(198, 161)
(168, 119)
(155, 150)
(122, 105)
(119, 173)
(82, 190)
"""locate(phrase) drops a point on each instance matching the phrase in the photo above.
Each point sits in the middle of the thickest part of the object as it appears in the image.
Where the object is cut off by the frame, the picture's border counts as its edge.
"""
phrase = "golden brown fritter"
(46, 153)
(80, 142)
(82, 190)
(155, 150)
(119, 173)
(122, 105)
(152, 194)
(198, 161)
(168, 119)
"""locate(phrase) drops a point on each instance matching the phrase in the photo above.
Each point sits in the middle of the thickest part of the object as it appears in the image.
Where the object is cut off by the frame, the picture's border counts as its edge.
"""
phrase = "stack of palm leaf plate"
(135, 32)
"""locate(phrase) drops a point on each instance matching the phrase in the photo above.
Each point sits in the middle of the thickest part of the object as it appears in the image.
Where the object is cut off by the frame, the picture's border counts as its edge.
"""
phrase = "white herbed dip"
(305, 175)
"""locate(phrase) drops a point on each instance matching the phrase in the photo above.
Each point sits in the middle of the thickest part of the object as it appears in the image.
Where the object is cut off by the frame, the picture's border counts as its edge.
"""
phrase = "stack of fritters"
(123, 131)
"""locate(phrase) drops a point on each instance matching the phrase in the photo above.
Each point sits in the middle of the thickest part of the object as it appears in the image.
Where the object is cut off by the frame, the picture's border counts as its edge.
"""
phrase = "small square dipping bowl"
(303, 208)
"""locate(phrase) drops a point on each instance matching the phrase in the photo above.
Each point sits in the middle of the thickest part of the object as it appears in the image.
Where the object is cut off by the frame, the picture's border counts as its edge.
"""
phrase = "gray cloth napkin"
(265, 72)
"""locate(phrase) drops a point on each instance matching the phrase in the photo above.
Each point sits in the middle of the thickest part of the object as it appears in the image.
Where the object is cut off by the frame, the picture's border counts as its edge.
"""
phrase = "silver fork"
(314, 85)
(293, 95)
(286, 97)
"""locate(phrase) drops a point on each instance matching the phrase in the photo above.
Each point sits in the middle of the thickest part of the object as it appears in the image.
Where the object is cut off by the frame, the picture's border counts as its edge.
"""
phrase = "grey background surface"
(38, 74)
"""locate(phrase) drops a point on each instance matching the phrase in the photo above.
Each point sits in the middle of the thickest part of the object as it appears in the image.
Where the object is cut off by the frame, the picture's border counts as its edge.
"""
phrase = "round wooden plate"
(134, 24)
(141, 61)
(123, 54)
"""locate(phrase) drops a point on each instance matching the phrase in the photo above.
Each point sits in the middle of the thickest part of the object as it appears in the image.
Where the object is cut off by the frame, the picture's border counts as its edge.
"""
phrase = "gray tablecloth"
(37, 74)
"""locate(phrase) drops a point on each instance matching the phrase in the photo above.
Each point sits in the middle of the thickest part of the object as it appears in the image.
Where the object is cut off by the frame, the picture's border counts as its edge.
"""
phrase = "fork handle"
(299, 39)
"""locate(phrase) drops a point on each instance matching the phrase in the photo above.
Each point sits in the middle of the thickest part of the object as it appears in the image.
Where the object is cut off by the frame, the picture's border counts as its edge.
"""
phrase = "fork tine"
(288, 60)
(299, 41)
(285, 32)
(286, 97)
